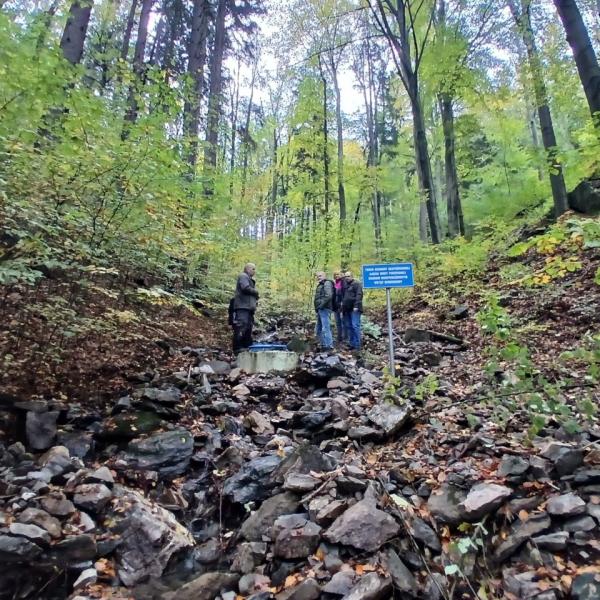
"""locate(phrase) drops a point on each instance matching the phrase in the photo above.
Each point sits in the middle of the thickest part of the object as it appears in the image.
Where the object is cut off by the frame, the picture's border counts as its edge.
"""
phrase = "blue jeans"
(352, 324)
(339, 326)
(323, 328)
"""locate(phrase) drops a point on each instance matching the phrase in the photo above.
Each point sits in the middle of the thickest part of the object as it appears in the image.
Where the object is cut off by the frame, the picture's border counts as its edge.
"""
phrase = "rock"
(363, 526)
(101, 475)
(87, 577)
(369, 380)
(332, 511)
(430, 358)
(168, 453)
(521, 531)
(552, 541)
(565, 458)
(251, 482)
(412, 335)
(168, 395)
(57, 504)
(585, 198)
(150, 536)
(586, 587)
(587, 476)
(304, 459)
(363, 432)
(425, 534)
(350, 485)
(79, 443)
(512, 465)
(205, 587)
(249, 555)
(566, 505)
(370, 587)
(130, 425)
(18, 549)
(483, 498)
(315, 419)
(297, 543)
(240, 391)
(40, 429)
(403, 579)
(446, 504)
(340, 584)
(307, 590)
(576, 524)
(459, 312)
(75, 549)
(92, 496)
(42, 519)
(208, 553)
(31, 532)
(298, 482)
(258, 423)
(594, 511)
(390, 417)
(256, 525)
(253, 582)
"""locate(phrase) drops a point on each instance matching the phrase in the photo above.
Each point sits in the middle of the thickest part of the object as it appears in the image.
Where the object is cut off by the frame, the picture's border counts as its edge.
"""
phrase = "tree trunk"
(128, 29)
(73, 37)
(423, 163)
(138, 67)
(235, 102)
(326, 186)
(557, 182)
(47, 22)
(274, 182)
(583, 51)
(456, 224)
(195, 69)
(340, 148)
(214, 99)
(246, 132)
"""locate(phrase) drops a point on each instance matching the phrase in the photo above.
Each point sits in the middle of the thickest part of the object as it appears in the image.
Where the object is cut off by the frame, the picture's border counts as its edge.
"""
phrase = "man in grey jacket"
(323, 306)
(244, 307)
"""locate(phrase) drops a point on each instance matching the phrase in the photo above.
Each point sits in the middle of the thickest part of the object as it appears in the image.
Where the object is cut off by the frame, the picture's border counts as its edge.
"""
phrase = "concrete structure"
(264, 361)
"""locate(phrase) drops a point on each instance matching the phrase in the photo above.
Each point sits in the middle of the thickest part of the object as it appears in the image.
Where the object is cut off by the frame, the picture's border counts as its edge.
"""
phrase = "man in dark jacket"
(352, 308)
(244, 307)
(323, 307)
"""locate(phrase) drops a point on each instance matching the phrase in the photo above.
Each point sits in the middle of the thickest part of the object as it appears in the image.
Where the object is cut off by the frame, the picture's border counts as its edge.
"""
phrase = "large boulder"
(390, 417)
(585, 198)
(363, 526)
(150, 536)
(168, 453)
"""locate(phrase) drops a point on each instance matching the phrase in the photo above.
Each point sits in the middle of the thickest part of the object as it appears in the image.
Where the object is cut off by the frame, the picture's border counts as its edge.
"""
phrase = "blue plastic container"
(267, 347)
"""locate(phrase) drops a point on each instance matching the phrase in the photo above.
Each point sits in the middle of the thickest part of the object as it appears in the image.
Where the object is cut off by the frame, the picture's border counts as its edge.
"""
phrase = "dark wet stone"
(403, 579)
(484, 498)
(31, 532)
(370, 587)
(207, 553)
(521, 531)
(257, 524)
(586, 587)
(566, 505)
(79, 443)
(461, 311)
(297, 543)
(205, 587)
(565, 458)
(57, 504)
(390, 417)
(587, 476)
(446, 504)
(304, 459)
(42, 519)
(512, 465)
(74, 549)
(579, 524)
(40, 429)
(340, 584)
(167, 453)
(92, 496)
(130, 425)
(309, 589)
(363, 526)
(350, 485)
(252, 482)
(425, 534)
(552, 541)
(17, 549)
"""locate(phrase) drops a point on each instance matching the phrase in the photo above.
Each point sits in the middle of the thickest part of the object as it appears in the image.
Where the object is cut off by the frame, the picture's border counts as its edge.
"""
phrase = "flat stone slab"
(266, 361)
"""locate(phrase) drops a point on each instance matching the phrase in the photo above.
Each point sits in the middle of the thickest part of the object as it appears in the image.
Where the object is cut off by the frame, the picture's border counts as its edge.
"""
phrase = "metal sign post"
(398, 275)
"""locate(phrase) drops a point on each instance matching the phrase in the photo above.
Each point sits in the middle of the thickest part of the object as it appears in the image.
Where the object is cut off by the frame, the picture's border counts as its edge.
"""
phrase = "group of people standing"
(341, 296)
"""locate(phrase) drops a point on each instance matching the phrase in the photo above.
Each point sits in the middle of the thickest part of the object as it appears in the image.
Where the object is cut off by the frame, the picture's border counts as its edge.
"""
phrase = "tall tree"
(583, 51)
(522, 16)
(73, 38)
(397, 21)
(214, 97)
(195, 70)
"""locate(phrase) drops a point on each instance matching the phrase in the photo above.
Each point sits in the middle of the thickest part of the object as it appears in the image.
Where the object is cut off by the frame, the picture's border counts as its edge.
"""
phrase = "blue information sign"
(398, 275)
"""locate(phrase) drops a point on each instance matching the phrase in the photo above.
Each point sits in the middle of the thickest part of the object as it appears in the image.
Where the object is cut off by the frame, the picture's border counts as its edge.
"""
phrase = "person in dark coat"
(244, 307)
(352, 308)
(340, 288)
(323, 307)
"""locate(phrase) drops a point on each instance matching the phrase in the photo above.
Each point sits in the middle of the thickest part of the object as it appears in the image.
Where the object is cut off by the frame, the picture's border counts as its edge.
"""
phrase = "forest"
(149, 149)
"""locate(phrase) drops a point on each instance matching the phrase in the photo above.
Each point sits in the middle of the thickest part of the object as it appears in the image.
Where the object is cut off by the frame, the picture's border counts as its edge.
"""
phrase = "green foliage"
(494, 319)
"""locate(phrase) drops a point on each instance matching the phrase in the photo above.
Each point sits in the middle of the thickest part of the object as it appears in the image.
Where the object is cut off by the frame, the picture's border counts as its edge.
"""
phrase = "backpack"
(231, 312)
(335, 305)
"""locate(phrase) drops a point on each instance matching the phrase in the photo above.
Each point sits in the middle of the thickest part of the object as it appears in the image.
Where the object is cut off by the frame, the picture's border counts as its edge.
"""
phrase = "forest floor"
(137, 461)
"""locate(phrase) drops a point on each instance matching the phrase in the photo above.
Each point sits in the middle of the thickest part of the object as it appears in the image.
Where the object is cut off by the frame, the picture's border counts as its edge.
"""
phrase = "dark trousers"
(243, 320)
